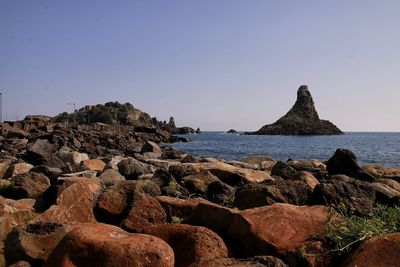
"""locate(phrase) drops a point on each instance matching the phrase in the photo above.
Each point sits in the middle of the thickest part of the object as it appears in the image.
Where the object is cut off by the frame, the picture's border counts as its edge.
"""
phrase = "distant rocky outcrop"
(115, 113)
(302, 119)
(231, 131)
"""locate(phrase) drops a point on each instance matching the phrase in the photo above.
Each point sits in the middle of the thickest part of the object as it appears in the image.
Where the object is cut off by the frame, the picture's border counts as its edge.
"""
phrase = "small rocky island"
(302, 119)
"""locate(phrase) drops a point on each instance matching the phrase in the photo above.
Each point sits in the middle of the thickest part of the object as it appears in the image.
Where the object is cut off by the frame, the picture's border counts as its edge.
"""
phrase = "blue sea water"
(380, 148)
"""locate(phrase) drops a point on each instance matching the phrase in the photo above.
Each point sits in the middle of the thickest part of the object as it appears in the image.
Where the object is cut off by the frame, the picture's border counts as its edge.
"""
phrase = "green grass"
(352, 229)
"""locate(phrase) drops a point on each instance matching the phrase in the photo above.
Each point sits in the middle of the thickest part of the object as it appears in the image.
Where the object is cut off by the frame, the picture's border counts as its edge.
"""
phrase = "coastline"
(78, 186)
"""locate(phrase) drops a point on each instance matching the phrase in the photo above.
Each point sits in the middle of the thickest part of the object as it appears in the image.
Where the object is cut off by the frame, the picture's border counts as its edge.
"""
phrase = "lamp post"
(73, 104)
(1, 107)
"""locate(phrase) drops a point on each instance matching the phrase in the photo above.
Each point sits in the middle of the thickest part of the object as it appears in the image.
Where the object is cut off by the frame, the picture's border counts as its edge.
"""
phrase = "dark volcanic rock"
(231, 131)
(345, 162)
(302, 119)
(354, 195)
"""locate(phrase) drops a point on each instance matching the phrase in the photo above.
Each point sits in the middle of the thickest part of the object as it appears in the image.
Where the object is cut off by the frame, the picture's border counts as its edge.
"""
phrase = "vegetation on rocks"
(352, 229)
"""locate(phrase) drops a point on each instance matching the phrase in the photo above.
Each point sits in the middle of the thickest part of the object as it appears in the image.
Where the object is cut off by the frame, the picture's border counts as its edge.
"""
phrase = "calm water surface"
(382, 148)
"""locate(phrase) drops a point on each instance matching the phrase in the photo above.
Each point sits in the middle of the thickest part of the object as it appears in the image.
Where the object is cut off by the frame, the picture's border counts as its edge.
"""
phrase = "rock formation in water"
(302, 119)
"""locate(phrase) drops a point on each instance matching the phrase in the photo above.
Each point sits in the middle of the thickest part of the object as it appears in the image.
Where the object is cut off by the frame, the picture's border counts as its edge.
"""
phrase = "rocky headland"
(113, 195)
(302, 119)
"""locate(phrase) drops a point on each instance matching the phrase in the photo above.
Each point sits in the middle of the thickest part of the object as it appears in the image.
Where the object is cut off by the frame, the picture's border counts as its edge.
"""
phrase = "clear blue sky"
(214, 64)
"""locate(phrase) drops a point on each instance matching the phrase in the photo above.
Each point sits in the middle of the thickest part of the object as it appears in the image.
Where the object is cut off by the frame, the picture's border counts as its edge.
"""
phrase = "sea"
(370, 148)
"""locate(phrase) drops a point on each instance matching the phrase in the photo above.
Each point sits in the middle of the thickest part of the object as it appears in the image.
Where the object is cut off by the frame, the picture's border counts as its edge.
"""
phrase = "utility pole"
(1, 107)
(73, 104)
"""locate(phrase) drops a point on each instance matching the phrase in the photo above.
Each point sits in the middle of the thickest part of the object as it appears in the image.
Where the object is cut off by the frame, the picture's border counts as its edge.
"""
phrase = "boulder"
(191, 244)
(379, 171)
(199, 182)
(15, 213)
(74, 205)
(94, 164)
(386, 194)
(227, 173)
(259, 261)
(344, 162)
(391, 183)
(307, 178)
(179, 208)
(18, 168)
(41, 149)
(111, 177)
(106, 245)
(4, 166)
(151, 147)
(16, 133)
(257, 160)
(302, 119)
(115, 202)
(231, 131)
(168, 185)
(131, 168)
(113, 163)
(33, 243)
(353, 194)
(379, 251)
(283, 170)
(172, 153)
(220, 193)
(52, 194)
(73, 157)
(29, 185)
(257, 195)
(50, 172)
(144, 211)
(190, 159)
(268, 230)
(20, 264)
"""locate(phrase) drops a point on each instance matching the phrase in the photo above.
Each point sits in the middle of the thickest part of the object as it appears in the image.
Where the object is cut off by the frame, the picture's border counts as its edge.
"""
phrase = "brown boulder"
(29, 185)
(144, 211)
(74, 205)
(307, 178)
(199, 182)
(379, 251)
(191, 244)
(33, 243)
(18, 168)
(259, 261)
(111, 177)
(114, 203)
(94, 164)
(107, 245)
(379, 171)
(4, 165)
(15, 213)
(52, 194)
(225, 172)
(177, 207)
(268, 230)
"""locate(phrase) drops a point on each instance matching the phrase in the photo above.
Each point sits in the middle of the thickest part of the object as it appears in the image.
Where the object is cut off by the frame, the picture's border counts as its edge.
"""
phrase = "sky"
(213, 64)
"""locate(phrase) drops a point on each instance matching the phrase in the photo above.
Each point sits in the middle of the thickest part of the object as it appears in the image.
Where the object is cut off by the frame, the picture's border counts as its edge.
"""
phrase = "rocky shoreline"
(98, 197)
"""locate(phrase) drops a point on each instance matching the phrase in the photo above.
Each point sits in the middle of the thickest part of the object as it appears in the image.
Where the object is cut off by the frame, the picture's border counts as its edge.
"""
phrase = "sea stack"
(302, 119)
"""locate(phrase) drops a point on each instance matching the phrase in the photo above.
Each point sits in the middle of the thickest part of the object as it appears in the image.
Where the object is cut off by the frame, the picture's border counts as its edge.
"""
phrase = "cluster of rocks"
(76, 198)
